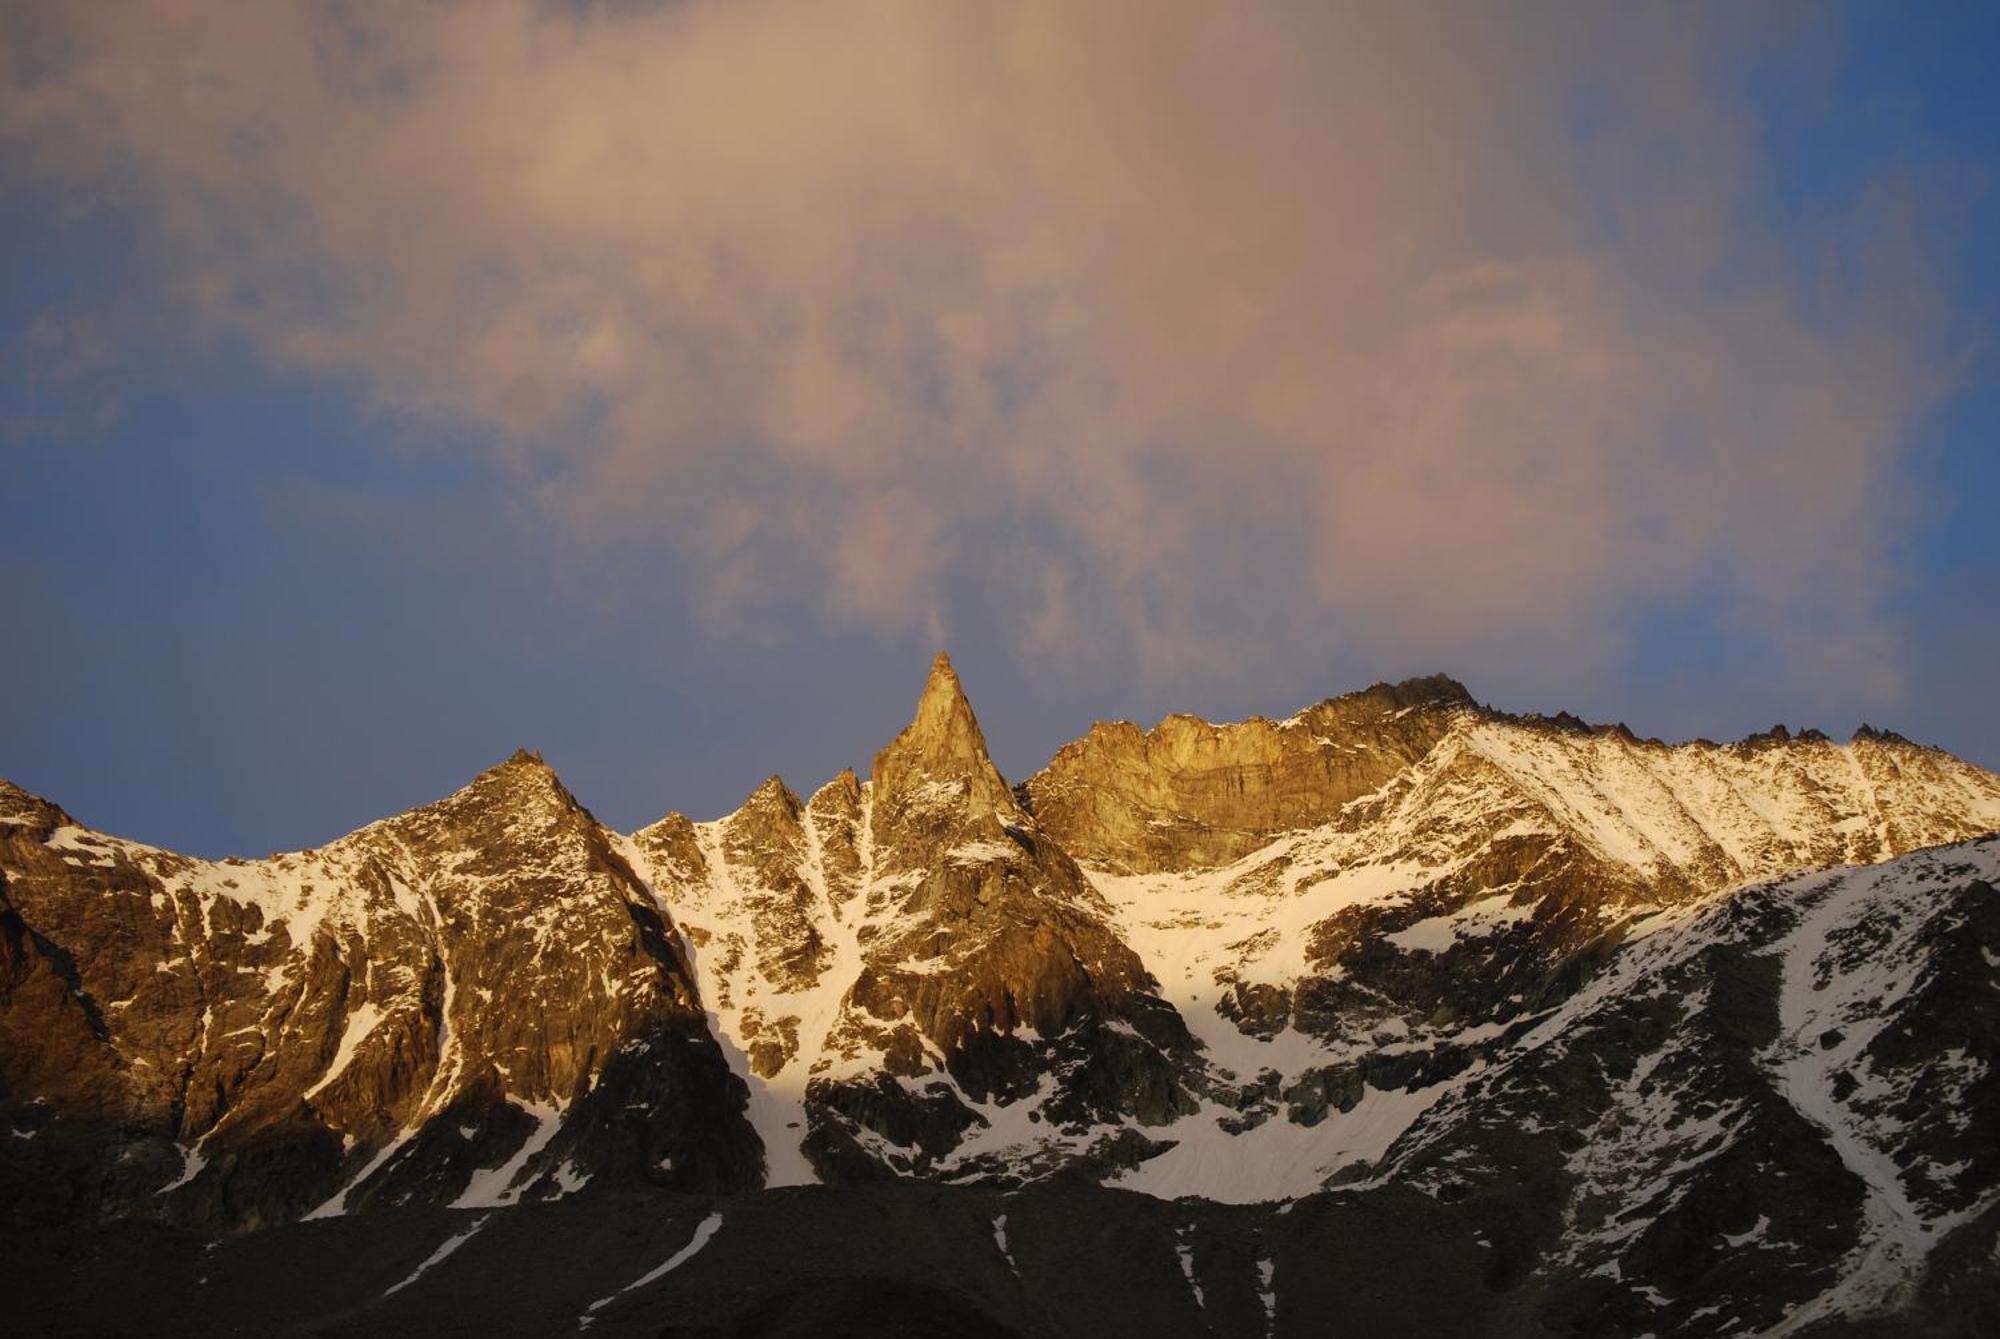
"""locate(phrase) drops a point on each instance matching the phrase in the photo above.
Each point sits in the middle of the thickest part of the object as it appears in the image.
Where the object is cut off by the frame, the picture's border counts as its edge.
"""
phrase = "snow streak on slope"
(438, 1256)
(1662, 1086)
(493, 1187)
(777, 1102)
(1857, 950)
(704, 1231)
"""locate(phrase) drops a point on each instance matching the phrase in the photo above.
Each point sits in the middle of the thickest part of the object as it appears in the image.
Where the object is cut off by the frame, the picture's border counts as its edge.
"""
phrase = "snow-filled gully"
(1896, 1235)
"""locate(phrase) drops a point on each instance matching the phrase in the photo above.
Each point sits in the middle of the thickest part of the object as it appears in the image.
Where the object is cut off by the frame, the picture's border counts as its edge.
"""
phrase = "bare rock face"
(412, 1010)
(935, 774)
(1187, 794)
(838, 821)
(991, 950)
(989, 924)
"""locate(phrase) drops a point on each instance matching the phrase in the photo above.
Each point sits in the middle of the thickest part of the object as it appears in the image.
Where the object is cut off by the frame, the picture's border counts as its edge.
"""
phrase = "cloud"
(1445, 330)
(55, 380)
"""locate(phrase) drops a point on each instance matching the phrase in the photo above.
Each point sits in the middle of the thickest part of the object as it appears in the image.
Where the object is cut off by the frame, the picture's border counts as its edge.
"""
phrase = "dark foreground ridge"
(1053, 1262)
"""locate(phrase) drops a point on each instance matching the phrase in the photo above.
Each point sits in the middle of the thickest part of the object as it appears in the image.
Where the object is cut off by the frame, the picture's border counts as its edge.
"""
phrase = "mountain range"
(1402, 1013)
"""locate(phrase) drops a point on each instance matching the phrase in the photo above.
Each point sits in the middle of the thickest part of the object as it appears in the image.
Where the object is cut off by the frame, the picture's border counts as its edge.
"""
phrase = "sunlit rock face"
(1600, 996)
(386, 1017)
(1190, 795)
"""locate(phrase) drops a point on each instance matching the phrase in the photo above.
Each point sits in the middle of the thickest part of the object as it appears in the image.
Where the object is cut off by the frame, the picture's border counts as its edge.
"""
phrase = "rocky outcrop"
(994, 950)
(1187, 794)
(990, 926)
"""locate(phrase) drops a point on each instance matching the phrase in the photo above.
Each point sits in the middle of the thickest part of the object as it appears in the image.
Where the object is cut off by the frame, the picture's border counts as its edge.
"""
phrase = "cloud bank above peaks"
(1453, 331)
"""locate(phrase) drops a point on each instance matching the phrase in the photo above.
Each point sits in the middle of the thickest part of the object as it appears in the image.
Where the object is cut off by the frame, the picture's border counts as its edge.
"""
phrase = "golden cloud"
(1446, 327)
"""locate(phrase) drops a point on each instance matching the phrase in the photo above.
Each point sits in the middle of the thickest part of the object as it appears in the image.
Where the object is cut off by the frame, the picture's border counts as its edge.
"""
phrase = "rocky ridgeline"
(1400, 874)
(1191, 795)
(1542, 971)
(963, 973)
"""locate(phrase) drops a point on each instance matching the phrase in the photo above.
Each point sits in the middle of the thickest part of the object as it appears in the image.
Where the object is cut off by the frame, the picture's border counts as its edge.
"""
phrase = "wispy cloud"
(1443, 328)
(55, 379)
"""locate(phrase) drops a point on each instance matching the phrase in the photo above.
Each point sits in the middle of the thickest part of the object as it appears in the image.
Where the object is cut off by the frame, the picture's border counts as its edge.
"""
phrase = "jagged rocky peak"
(984, 953)
(936, 775)
(524, 786)
(766, 862)
(843, 793)
(475, 987)
(944, 737)
(770, 824)
(21, 810)
(1429, 690)
(526, 768)
(943, 742)
(674, 850)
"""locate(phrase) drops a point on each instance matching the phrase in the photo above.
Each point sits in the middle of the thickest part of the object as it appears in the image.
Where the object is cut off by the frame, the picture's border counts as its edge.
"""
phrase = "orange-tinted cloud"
(1442, 328)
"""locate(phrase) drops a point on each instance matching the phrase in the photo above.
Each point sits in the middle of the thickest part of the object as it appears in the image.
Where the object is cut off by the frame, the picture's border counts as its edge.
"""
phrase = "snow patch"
(192, 1162)
(438, 1256)
(1186, 1254)
(1438, 933)
(491, 1188)
(363, 1021)
(336, 1205)
(1277, 1159)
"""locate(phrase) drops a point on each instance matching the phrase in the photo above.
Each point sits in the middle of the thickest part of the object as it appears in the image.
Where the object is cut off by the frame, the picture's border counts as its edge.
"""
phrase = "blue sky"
(352, 440)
